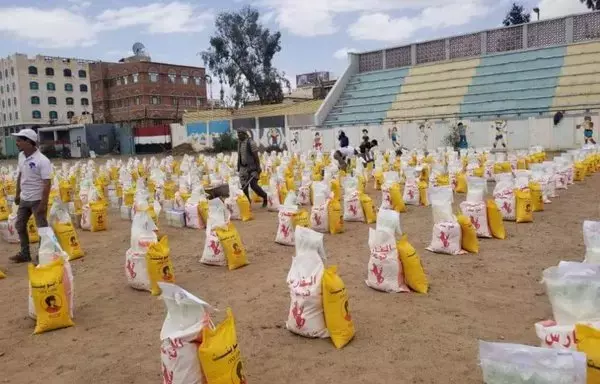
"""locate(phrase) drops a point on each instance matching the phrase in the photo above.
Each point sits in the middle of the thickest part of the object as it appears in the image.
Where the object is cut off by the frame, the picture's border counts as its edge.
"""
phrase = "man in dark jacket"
(249, 166)
(344, 141)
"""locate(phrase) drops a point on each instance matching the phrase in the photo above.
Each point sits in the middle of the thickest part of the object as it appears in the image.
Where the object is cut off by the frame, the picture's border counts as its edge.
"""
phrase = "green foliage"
(516, 16)
(241, 54)
(452, 138)
(594, 5)
(225, 143)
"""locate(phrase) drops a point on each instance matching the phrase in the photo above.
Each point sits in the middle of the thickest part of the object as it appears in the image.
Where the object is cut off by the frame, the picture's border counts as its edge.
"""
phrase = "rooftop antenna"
(139, 49)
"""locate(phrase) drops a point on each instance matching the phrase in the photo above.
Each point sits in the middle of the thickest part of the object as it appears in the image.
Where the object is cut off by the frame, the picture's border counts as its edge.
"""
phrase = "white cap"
(28, 134)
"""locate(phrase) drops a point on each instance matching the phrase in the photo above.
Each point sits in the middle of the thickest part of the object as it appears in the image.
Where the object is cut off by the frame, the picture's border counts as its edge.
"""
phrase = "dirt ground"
(401, 338)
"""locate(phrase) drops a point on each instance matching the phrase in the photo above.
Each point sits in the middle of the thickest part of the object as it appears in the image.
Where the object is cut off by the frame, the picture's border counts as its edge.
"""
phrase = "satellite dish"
(139, 49)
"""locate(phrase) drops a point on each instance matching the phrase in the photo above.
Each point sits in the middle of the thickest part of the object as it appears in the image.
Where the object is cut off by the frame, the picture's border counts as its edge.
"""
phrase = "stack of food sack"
(447, 231)
(237, 203)
(319, 305)
(60, 221)
(305, 189)
(223, 244)
(143, 234)
(290, 216)
(51, 291)
(353, 210)
(94, 215)
(503, 363)
(276, 192)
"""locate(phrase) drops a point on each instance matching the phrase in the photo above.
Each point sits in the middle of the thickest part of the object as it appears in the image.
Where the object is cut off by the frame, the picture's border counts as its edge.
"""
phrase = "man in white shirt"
(33, 189)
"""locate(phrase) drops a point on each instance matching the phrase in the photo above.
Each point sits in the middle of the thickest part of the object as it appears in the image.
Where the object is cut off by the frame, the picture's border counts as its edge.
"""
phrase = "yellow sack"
(478, 172)
(32, 230)
(579, 171)
(99, 216)
(537, 197)
(397, 200)
(521, 164)
(336, 217)
(336, 189)
(219, 354)
(169, 191)
(159, 265)
(524, 211)
(65, 191)
(68, 240)
(290, 184)
(254, 197)
(588, 342)
(469, 240)
(461, 183)
(414, 274)
(302, 219)
(2, 275)
(423, 193)
(495, 220)
(368, 208)
(235, 252)
(244, 206)
(203, 211)
(10, 187)
(263, 178)
(442, 180)
(362, 184)
(335, 305)
(283, 191)
(4, 212)
(128, 197)
(49, 297)
(378, 180)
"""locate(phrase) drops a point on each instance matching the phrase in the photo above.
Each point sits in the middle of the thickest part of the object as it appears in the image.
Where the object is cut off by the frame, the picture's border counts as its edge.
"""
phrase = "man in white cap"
(33, 189)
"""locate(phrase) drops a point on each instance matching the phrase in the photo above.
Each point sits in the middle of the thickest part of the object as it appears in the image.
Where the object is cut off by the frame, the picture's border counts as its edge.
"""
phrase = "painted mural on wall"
(218, 127)
(197, 135)
(588, 130)
(271, 132)
(424, 130)
(394, 136)
(317, 141)
(500, 133)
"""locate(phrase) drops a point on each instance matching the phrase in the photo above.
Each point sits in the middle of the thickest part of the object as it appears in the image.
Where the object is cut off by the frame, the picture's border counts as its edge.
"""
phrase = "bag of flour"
(591, 238)
(214, 253)
(556, 336)
(384, 271)
(306, 317)
(286, 216)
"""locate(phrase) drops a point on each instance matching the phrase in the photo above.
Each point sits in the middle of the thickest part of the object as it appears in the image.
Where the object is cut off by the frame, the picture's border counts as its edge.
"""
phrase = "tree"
(594, 5)
(241, 54)
(516, 16)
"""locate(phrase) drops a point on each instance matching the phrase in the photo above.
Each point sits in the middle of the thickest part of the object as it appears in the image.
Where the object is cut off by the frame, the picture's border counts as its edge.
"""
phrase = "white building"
(43, 91)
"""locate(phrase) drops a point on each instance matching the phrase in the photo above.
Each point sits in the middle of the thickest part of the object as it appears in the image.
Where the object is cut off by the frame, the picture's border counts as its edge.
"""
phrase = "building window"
(4, 116)
(70, 101)
(153, 77)
(34, 86)
(85, 101)
(135, 77)
(82, 74)
(137, 100)
(172, 77)
(70, 114)
(52, 100)
(49, 71)
(7, 88)
(199, 102)
(50, 86)
(2, 89)
(32, 70)
(15, 101)
(35, 100)
(174, 100)
(83, 88)
(8, 102)
(12, 71)
(14, 87)
(3, 104)
(155, 100)
(10, 116)
(36, 114)
(6, 73)
(53, 115)
(125, 80)
(67, 72)
(16, 115)
(185, 79)
(0, 75)
(198, 80)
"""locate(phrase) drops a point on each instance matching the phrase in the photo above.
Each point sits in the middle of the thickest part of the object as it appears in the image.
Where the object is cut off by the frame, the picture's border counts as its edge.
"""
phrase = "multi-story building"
(139, 92)
(42, 90)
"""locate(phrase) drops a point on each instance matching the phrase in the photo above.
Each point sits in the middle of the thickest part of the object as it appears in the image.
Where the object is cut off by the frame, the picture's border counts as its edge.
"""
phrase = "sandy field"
(401, 338)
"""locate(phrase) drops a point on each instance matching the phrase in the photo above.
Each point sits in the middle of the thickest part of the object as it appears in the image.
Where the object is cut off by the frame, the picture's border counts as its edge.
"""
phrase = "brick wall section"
(116, 102)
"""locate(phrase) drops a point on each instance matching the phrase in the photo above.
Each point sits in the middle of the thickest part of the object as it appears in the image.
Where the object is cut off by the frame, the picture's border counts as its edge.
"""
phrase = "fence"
(546, 33)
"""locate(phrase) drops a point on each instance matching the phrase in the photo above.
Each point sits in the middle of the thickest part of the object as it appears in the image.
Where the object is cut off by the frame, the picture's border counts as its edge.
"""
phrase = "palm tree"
(594, 5)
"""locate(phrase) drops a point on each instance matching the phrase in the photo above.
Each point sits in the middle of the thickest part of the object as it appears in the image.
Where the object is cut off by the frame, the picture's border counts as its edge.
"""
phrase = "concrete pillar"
(483, 42)
(569, 29)
(525, 41)
(413, 54)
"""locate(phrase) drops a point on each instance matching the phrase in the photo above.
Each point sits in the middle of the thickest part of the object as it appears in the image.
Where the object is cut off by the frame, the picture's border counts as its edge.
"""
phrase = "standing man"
(344, 141)
(33, 189)
(249, 166)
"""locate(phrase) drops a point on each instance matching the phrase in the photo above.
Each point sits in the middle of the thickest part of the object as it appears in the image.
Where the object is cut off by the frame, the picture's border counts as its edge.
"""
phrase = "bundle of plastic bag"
(591, 239)
(474, 207)
(60, 221)
(306, 316)
(504, 363)
(181, 333)
(446, 233)
(504, 196)
(8, 228)
(555, 336)
(143, 234)
(289, 217)
(304, 191)
(574, 291)
(193, 207)
(50, 252)
(319, 216)
(384, 271)
(273, 194)
(237, 203)
(94, 215)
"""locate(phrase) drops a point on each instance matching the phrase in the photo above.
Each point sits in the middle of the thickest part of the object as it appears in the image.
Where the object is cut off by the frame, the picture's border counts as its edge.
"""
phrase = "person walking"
(249, 166)
(33, 189)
